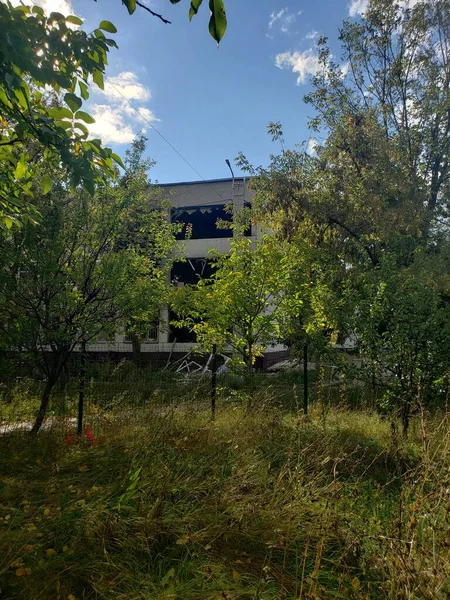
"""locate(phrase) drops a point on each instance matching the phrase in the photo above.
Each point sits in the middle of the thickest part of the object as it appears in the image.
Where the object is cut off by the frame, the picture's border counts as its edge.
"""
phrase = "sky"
(208, 102)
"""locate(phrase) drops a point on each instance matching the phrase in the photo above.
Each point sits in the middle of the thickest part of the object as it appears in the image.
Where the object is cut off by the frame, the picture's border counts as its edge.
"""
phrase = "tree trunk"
(405, 414)
(58, 366)
(50, 384)
(136, 349)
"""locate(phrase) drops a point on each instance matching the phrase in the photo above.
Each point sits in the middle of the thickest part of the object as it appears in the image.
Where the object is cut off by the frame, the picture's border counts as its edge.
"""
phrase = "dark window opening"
(191, 271)
(182, 335)
(188, 272)
(200, 222)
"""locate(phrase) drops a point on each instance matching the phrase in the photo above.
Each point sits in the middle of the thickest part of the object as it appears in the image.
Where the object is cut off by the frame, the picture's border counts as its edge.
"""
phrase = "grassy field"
(263, 505)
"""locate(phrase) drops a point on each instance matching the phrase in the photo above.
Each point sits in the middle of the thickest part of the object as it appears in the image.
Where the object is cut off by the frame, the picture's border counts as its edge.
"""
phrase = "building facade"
(197, 206)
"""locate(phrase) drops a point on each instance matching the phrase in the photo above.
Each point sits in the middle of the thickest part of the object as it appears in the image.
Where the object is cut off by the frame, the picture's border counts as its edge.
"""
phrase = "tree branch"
(153, 13)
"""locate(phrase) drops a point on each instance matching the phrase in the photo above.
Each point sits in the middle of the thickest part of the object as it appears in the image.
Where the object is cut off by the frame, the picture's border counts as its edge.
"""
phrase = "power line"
(144, 118)
(157, 131)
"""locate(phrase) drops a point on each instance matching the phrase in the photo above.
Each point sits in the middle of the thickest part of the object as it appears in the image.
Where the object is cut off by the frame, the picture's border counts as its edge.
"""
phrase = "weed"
(251, 505)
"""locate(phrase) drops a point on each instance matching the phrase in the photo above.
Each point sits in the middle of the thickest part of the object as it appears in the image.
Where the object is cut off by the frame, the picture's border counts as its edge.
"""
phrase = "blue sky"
(208, 102)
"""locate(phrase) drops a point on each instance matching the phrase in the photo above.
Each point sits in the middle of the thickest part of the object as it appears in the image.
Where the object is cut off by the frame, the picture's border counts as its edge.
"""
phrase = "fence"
(92, 390)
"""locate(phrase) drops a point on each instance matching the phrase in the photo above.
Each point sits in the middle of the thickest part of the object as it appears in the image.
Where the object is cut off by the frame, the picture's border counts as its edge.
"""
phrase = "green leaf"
(46, 184)
(84, 116)
(74, 20)
(82, 128)
(60, 112)
(117, 159)
(195, 5)
(89, 187)
(7, 221)
(108, 26)
(131, 5)
(97, 76)
(83, 90)
(21, 97)
(73, 101)
(56, 16)
(218, 20)
(20, 170)
(65, 124)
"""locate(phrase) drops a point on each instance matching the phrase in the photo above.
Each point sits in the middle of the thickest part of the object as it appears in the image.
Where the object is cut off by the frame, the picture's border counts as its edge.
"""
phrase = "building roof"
(201, 181)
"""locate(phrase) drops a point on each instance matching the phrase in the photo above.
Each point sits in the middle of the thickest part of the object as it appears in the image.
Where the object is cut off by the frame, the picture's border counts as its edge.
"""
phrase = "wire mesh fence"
(93, 391)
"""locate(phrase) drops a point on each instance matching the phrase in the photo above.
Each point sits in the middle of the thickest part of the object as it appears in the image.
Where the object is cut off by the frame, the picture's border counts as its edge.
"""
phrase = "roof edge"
(198, 182)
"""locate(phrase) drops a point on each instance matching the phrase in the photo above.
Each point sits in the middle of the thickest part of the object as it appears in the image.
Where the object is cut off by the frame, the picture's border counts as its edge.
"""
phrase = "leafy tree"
(375, 191)
(243, 306)
(403, 328)
(38, 53)
(94, 264)
(382, 172)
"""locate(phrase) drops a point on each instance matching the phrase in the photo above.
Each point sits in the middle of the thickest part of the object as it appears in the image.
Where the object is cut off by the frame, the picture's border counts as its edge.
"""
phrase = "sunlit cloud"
(62, 6)
(304, 64)
(121, 115)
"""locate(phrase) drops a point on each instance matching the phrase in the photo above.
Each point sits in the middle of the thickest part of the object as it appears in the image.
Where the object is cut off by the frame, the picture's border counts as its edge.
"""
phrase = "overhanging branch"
(153, 13)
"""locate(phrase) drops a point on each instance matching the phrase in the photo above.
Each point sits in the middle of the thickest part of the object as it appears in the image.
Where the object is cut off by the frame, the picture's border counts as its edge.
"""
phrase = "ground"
(263, 504)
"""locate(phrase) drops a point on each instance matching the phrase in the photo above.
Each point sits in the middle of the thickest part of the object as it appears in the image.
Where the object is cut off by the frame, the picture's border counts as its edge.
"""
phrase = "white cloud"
(345, 68)
(110, 125)
(312, 35)
(125, 85)
(121, 115)
(311, 146)
(283, 19)
(62, 6)
(303, 63)
(359, 7)
(274, 17)
(142, 114)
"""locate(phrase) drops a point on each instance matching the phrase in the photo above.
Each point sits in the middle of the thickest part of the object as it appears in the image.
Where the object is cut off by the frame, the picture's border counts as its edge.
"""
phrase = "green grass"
(110, 388)
(263, 505)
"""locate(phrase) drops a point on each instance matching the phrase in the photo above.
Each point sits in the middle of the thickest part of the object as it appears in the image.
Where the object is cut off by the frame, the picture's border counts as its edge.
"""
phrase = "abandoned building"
(197, 205)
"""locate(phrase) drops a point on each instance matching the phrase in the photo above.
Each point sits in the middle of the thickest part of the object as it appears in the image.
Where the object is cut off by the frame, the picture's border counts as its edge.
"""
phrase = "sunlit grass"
(259, 504)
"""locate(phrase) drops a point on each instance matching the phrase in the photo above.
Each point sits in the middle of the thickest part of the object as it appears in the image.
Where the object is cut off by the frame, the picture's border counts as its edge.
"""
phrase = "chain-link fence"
(93, 390)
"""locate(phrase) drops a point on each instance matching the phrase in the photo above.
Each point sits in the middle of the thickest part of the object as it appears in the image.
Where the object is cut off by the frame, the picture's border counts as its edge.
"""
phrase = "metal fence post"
(81, 390)
(305, 379)
(213, 381)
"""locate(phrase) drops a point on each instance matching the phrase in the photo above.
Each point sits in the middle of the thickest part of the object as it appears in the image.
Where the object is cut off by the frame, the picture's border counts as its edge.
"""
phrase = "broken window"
(188, 272)
(191, 270)
(200, 222)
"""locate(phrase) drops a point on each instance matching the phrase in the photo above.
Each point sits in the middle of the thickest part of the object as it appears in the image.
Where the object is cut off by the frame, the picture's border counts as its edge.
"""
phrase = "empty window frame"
(200, 222)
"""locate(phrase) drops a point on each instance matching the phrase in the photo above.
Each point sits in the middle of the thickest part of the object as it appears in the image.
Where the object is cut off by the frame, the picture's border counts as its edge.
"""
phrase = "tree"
(243, 305)
(382, 172)
(375, 191)
(403, 328)
(94, 264)
(39, 53)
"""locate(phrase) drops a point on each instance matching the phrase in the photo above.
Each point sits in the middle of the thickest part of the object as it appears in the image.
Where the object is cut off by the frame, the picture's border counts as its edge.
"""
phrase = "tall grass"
(261, 505)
